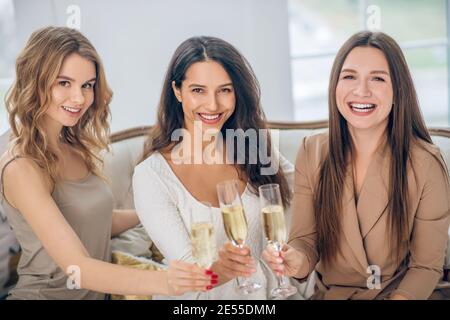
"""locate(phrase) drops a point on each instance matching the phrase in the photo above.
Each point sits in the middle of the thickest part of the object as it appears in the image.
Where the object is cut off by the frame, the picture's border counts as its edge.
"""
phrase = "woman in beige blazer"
(371, 207)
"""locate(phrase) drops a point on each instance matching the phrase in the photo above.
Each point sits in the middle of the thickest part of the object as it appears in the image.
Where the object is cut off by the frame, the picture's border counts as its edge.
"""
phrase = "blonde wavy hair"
(37, 68)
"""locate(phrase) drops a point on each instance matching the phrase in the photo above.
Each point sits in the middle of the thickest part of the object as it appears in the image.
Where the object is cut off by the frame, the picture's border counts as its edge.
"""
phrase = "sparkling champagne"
(203, 244)
(235, 224)
(274, 225)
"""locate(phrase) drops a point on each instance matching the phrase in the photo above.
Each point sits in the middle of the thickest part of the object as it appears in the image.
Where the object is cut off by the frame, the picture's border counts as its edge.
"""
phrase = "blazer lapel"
(373, 199)
(350, 224)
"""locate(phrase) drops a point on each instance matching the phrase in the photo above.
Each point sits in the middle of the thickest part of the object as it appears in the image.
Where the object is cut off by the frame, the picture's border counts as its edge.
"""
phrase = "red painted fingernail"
(214, 276)
(209, 272)
(209, 287)
(213, 281)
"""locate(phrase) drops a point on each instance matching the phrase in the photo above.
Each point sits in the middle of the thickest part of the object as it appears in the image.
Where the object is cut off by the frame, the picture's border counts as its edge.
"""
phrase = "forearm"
(418, 284)
(105, 277)
(122, 220)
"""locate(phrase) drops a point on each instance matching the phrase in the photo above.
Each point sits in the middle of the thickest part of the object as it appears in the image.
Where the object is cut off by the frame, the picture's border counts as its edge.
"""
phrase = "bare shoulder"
(21, 166)
(21, 174)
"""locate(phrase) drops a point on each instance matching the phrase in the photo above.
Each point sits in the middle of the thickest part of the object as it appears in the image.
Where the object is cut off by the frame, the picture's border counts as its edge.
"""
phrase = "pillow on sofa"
(134, 241)
(125, 259)
(9, 257)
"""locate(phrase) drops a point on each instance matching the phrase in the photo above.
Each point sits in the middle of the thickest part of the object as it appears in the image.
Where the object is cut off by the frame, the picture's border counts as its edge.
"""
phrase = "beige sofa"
(127, 147)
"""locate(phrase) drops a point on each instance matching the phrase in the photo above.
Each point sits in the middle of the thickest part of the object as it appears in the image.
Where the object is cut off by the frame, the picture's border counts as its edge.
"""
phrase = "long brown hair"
(248, 113)
(405, 124)
(37, 68)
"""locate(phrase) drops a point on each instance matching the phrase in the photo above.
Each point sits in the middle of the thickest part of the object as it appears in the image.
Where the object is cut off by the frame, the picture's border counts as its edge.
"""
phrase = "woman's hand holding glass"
(288, 262)
(275, 230)
(234, 262)
(237, 260)
(182, 277)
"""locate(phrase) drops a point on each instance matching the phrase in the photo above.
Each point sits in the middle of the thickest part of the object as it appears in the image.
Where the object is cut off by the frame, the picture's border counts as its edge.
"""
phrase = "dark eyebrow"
(380, 71)
(69, 78)
(371, 72)
(202, 86)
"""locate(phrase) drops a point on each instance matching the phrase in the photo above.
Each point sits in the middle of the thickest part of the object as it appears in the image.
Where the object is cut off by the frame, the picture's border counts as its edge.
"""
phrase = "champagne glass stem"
(282, 280)
(241, 280)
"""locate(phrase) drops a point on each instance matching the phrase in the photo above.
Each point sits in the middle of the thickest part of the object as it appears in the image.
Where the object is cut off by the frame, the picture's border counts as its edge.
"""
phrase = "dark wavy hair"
(248, 113)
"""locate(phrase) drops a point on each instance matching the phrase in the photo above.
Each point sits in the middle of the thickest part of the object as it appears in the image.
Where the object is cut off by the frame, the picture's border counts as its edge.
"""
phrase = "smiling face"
(206, 95)
(364, 92)
(73, 91)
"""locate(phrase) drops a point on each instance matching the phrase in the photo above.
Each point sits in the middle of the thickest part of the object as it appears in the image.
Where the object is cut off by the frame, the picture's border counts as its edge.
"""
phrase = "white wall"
(137, 38)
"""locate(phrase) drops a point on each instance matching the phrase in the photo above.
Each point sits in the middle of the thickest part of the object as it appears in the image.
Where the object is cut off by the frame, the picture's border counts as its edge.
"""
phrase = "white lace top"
(163, 205)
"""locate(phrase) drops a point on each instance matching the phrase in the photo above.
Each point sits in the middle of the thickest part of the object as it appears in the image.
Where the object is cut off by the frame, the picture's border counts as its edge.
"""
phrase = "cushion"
(125, 259)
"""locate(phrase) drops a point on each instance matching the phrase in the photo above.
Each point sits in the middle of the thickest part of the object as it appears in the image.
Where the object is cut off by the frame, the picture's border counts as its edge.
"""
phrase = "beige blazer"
(364, 239)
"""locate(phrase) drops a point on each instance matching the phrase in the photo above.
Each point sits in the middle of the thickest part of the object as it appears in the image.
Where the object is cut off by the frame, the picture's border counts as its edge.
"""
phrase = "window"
(7, 56)
(319, 27)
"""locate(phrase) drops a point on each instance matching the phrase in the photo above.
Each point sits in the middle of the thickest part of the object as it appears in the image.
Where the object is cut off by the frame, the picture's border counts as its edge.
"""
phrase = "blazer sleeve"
(429, 236)
(303, 227)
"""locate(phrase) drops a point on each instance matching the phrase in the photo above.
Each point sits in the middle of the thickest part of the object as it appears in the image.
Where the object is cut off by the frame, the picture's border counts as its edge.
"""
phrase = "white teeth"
(362, 106)
(209, 117)
(363, 110)
(73, 110)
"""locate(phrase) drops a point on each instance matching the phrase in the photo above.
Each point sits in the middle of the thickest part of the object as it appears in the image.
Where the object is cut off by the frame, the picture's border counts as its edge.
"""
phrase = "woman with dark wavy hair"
(371, 196)
(56, 200)
(209, 90)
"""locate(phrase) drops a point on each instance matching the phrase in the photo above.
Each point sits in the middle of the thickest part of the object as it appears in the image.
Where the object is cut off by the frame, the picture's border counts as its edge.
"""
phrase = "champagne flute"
(203, 240)
(275, 230)
(235, 224)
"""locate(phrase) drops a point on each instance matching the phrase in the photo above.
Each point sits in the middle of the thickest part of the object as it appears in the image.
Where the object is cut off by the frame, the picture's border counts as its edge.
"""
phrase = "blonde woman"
(52, 191)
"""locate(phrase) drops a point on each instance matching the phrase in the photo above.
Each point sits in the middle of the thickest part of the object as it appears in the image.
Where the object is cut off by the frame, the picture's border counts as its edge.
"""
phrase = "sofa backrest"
(127, 146)
(127, 149)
